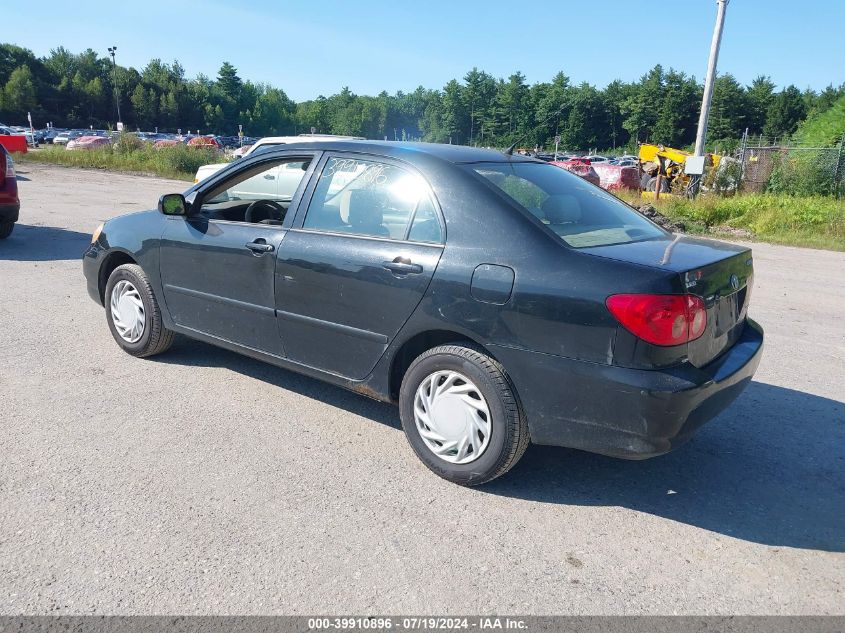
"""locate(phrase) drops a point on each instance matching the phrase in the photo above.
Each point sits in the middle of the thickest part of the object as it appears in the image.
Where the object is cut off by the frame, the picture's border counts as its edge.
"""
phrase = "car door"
(356, 263)
(217, 269)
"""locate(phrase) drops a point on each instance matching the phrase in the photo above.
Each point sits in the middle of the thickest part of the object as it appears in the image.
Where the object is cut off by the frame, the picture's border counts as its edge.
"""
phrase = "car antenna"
(509, 150)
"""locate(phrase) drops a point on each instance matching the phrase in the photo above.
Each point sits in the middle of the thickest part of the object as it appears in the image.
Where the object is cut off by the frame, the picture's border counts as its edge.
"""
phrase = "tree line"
(78, 90)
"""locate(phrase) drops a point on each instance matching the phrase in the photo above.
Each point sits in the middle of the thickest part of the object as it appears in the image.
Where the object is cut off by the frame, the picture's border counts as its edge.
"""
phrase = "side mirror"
(173, 204)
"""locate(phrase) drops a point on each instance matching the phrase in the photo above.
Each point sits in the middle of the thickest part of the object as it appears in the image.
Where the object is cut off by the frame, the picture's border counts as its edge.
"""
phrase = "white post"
(711, 76)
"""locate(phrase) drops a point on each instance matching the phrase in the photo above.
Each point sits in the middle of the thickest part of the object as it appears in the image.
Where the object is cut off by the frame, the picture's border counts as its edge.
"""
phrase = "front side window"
(260, 194)
(367, 197)
(579, 213)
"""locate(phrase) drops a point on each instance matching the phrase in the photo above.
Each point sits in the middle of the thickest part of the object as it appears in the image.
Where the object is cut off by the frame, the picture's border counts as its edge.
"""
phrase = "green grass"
(179, 162)
(811, 221)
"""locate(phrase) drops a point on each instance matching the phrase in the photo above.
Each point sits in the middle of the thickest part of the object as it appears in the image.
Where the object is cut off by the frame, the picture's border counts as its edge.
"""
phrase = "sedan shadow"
(771, 469)
(43, 243)
(194, 353)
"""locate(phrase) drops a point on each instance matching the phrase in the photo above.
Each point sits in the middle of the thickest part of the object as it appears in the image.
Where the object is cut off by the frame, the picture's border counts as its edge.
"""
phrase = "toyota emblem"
(734, 282)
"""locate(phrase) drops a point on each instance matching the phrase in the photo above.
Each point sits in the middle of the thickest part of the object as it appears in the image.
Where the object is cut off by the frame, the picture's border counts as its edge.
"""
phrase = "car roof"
(408, 151)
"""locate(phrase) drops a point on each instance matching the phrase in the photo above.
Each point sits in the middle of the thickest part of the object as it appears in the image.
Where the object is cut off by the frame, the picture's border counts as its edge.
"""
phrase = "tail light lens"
(660, 319)
(10, 167)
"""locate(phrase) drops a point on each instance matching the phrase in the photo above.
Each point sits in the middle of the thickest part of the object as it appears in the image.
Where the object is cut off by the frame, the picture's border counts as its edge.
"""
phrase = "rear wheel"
(461, 415)
(652, 184)
(6, 229)
(133, 314)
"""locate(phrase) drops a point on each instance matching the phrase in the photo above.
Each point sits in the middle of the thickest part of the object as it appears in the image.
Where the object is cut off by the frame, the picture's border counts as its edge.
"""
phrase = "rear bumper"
(9, 212)
(628, 413)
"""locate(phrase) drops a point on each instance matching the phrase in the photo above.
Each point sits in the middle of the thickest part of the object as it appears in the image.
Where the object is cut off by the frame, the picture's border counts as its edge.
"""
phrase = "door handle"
(259, 247)
(400, 267)
(269, 177)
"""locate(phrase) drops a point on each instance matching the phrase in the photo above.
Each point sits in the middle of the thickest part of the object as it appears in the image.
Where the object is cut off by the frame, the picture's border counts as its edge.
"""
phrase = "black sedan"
(498, 299)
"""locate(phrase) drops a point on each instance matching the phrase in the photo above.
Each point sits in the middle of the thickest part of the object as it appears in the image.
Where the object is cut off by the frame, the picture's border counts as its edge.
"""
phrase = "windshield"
(579, 213)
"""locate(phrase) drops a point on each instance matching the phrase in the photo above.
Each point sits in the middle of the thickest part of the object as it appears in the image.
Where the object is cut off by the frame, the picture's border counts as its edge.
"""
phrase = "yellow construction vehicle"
(667, 166)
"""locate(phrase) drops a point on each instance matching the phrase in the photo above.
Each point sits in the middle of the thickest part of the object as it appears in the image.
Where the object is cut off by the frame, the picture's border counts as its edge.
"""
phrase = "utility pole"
(701, 135)
(710, 78)
(112, 51)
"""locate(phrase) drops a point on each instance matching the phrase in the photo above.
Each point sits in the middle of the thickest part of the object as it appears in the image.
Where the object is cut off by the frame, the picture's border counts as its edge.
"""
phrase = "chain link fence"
(794, 169)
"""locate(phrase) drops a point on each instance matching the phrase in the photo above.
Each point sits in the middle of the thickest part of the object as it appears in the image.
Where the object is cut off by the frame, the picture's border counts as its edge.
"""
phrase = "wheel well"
(112, 261)
(416, 345)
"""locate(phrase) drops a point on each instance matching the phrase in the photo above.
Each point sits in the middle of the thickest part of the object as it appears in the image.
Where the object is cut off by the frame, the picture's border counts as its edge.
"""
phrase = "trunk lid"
(721, 274)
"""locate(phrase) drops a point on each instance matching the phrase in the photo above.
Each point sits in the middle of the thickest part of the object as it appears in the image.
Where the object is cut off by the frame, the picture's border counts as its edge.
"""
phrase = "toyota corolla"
(497, 299)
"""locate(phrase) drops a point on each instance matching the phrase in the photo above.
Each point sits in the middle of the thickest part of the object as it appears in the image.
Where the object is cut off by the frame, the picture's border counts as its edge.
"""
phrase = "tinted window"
(365, 197)
(579, 213)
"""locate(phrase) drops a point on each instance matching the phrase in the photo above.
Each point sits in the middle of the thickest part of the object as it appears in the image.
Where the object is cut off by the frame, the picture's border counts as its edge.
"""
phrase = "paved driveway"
(206, 482)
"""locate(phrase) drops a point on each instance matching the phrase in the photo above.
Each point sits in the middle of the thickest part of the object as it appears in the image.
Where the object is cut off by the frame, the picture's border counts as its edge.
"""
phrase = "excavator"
(667, 165)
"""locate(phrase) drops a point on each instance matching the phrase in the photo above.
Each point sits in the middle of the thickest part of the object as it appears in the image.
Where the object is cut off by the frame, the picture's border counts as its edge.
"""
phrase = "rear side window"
(367, 197)
(579, 213)
(425, 226)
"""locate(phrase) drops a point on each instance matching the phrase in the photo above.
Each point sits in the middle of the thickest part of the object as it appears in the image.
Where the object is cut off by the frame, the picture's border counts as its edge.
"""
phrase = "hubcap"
(452, 417)
(127, 311)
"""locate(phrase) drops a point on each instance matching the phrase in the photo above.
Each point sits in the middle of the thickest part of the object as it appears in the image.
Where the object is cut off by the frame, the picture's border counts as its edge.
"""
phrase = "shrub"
(804, 173)
(184, 159)
(127, 143)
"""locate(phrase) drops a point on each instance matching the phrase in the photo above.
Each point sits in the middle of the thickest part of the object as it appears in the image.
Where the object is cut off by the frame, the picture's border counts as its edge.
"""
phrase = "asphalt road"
(205, 482)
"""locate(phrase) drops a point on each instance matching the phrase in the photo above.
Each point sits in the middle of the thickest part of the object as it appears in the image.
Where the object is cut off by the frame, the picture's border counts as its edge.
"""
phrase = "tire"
(6, 229)
(508, 437)
(652, 185)
(154, 338)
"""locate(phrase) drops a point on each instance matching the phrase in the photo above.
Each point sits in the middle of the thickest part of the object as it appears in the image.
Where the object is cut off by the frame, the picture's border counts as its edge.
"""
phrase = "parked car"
(10, 204)
(88, 142)
(241, 151)
(63, 138)
(167, 143)
(267, 142)
(495, 298)
(31, 139)
(613, 176)
(580, 167)
(204, 141)
(12, 141)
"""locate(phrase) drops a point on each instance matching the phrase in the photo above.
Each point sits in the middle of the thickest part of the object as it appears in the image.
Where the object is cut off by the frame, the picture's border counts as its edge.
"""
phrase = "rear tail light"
(10, 167)
(660, 319)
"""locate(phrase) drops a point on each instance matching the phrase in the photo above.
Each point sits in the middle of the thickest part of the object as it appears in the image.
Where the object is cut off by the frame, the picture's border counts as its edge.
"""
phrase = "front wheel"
(461, 414)
(133, 314)
(6, 229)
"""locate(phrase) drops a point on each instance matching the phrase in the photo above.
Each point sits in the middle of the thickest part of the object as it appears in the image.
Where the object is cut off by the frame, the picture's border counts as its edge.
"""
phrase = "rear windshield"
(579, 213)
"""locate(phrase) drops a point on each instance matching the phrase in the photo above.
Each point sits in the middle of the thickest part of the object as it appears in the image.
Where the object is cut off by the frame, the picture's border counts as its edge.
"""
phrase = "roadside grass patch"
(178, 161)
(812, 221)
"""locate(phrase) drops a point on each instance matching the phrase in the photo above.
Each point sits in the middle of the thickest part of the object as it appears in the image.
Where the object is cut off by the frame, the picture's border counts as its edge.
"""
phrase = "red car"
(88, 142)
(614, 177)
(10, 205)
(166, 143)
(204, 141)
(579, 167)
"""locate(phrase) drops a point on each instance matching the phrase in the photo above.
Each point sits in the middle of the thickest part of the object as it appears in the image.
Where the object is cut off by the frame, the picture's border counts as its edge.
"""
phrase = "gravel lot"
(205, 482)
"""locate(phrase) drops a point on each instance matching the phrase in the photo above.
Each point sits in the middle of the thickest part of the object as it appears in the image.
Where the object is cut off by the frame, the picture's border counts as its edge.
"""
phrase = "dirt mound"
(731, 231)
(658, 218)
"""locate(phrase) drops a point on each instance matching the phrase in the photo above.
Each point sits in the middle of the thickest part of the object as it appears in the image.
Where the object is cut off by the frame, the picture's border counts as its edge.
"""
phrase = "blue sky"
(317, 47)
